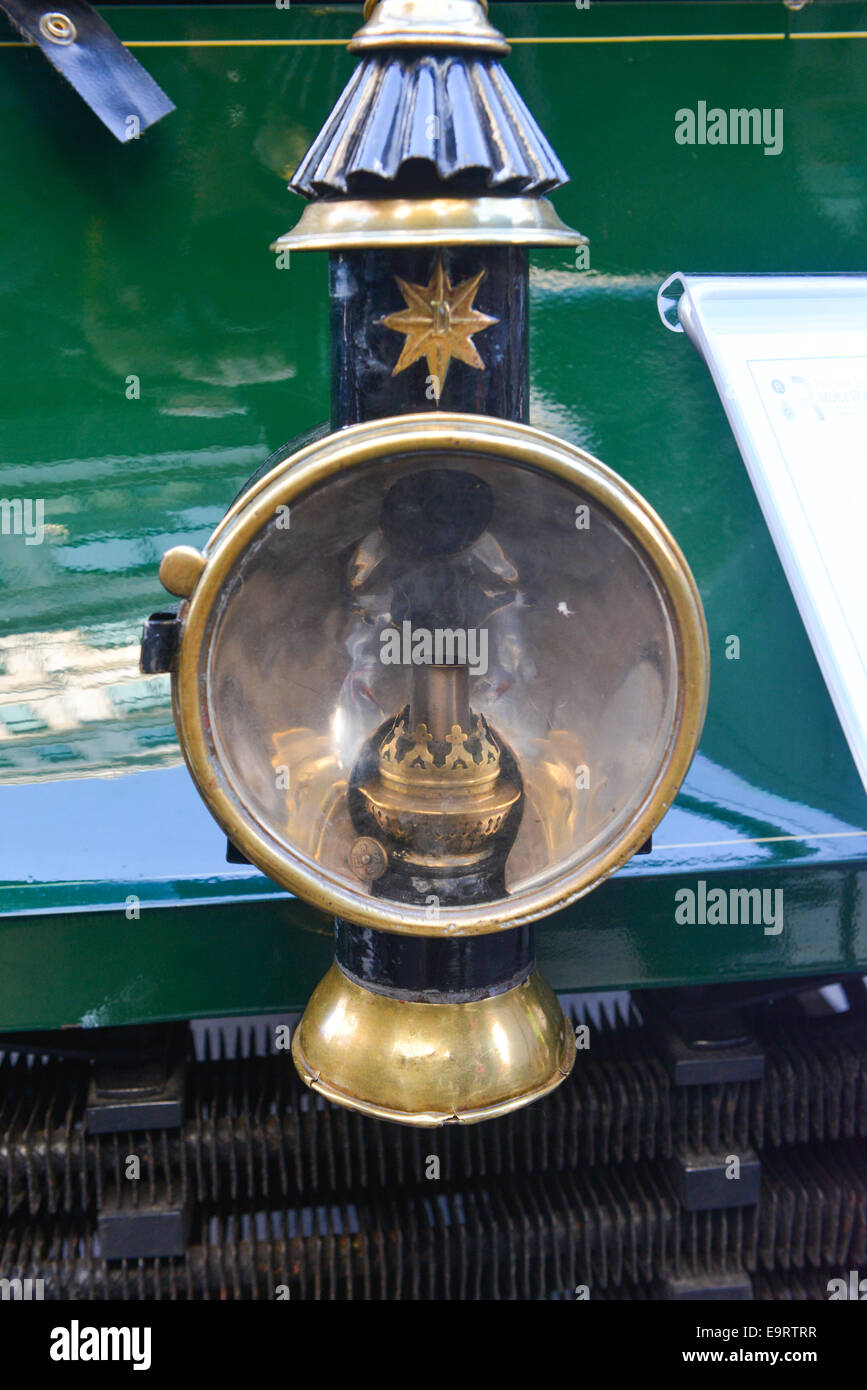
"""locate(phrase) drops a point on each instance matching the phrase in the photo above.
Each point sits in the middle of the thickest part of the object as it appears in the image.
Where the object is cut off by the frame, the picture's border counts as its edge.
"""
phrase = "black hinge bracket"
(160, 639)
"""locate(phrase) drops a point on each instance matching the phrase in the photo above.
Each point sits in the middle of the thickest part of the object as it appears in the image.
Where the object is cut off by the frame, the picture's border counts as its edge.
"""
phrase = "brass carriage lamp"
(438, 672)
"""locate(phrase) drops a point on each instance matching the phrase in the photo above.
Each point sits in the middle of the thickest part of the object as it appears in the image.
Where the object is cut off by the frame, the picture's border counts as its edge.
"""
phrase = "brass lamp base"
(432, 1064)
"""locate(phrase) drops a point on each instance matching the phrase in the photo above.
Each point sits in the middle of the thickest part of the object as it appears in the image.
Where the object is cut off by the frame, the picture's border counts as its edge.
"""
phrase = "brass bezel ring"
(313, 466)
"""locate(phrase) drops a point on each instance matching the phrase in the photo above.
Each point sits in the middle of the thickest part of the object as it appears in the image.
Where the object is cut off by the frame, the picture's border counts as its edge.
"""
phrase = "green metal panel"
(152, 355)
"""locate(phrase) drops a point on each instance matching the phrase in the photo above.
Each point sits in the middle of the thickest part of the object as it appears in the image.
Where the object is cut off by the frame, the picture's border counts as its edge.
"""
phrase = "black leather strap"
(95, 62)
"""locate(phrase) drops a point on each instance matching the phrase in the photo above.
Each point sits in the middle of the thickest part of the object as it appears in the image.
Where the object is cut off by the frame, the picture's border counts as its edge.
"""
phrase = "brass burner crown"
(466, 758)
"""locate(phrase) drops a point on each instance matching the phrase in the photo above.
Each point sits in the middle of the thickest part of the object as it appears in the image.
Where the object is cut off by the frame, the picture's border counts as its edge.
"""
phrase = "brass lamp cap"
(428, 24)
(432, 1064)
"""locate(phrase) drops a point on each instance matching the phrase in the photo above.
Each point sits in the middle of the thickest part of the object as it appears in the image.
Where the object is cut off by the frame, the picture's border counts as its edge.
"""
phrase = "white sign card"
(788, 355)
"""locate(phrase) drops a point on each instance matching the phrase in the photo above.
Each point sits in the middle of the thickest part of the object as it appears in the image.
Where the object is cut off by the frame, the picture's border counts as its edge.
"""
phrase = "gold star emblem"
(439, 322)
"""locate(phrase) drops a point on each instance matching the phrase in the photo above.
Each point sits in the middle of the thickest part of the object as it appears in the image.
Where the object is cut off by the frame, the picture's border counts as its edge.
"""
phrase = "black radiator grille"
(511, 1240)
(290, 1191)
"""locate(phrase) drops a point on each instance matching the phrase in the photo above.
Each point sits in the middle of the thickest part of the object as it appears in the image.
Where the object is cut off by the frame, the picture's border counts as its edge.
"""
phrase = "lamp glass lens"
(570, 652)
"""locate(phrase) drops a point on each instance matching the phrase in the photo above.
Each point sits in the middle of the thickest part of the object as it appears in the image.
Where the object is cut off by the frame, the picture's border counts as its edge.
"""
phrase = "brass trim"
(537, 40)
(456, 25)
(180, 568)
(432, 1064)
(58, 28)
(355, 224)
(434, 432)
